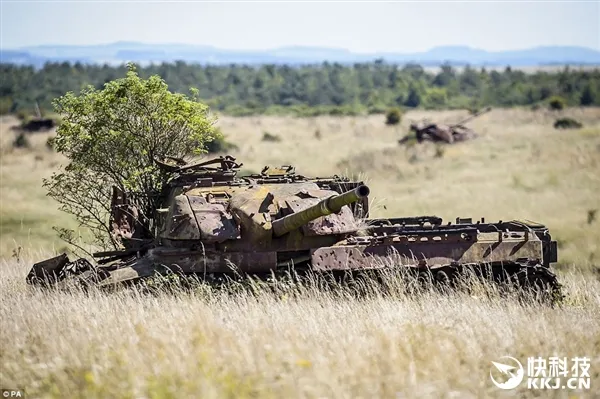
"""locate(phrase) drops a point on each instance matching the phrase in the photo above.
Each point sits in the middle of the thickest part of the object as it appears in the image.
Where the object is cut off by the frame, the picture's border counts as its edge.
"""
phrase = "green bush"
(557, 103)
(393, 116)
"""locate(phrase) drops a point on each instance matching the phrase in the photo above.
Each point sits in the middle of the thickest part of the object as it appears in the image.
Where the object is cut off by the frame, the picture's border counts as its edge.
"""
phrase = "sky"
(357, 26)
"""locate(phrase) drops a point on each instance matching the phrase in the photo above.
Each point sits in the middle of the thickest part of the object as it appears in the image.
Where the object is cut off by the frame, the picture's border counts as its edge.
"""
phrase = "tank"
(427, 131)
(37, 123)
(215, 222)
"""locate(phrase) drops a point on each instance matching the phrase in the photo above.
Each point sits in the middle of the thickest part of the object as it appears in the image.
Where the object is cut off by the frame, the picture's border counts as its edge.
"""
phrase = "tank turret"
(325, 207)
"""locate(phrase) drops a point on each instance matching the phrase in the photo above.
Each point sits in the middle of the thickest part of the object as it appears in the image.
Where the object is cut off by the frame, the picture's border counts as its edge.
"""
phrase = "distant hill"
(121, 52)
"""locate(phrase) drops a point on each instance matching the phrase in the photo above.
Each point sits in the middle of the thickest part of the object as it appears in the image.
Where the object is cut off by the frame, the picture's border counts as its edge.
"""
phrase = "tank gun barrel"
(325, 207)
(483, 111)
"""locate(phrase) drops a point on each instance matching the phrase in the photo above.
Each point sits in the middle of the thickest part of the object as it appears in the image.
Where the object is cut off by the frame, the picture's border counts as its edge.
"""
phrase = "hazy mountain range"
(121, 52)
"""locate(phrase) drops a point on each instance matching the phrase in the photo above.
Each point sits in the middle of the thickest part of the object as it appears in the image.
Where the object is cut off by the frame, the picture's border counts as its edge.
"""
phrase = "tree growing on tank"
(111, 137)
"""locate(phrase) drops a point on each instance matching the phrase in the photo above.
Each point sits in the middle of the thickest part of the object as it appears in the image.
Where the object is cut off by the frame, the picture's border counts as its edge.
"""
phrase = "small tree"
(557, 103)
(589, 96)
(112, 138)
(414, 98)
(393, 116)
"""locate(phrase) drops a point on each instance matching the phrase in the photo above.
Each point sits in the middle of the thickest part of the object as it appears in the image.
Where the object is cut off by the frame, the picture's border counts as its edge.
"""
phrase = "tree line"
(327, 88)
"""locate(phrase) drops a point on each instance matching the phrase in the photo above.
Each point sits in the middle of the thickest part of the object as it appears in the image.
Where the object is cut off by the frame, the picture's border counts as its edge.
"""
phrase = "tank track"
(528, 278)
(531, 280)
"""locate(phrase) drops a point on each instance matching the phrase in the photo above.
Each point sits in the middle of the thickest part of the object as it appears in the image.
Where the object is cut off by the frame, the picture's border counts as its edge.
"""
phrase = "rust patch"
(419, 253)
(215, 223)
(124, 217)
(187, 261)
(180, 221)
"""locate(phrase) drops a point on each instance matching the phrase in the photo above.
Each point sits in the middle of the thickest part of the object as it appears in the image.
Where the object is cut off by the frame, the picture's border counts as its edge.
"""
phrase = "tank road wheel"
(540, 282)
(445, 278)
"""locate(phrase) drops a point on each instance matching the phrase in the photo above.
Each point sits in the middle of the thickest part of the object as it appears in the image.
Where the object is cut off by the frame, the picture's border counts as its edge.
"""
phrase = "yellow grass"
(208, 344)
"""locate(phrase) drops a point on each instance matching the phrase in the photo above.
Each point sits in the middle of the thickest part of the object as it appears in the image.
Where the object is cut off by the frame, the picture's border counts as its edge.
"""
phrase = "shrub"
(557, 103)
(270, 137)
(393, 116)
(567, 123)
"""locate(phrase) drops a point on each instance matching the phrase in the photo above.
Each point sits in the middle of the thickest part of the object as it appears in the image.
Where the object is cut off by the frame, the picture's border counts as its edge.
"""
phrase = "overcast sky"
(357, 26)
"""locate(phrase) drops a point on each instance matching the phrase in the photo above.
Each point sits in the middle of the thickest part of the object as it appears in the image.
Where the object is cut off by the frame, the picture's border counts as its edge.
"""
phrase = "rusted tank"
(427, 131)
(214, 222)
(37, 123)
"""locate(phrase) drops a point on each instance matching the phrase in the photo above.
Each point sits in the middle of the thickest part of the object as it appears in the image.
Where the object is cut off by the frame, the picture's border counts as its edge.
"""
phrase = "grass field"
(130, 344)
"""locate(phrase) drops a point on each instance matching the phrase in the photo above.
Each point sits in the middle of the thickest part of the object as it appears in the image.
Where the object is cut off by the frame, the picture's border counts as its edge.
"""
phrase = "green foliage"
(414, 98)
(23, 115)
(326, 89)
(112, 138)
(436, 97)
(6, 105)
(393, 116)
(557, 103)
(376, 110)
(590, 94)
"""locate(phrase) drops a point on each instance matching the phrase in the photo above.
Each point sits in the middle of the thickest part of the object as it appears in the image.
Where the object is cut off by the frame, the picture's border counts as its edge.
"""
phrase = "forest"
(327, 88)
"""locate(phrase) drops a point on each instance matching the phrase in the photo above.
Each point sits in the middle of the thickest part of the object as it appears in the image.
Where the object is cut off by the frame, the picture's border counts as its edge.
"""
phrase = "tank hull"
(500, 251)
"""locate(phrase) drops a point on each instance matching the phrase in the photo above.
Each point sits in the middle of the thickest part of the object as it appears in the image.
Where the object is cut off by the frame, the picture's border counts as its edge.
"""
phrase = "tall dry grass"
(209, 344)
